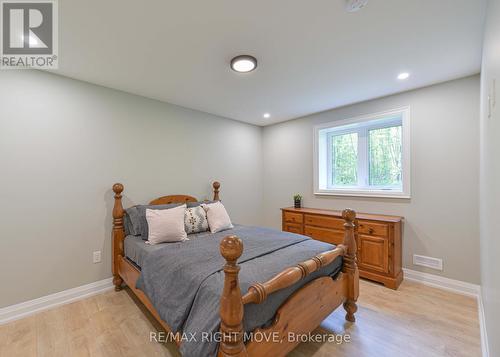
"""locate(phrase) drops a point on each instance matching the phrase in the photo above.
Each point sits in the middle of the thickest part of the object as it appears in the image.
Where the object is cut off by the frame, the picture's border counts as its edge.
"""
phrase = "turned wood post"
(350, 267)
(231, 304)
(118, 234)
(216, 186)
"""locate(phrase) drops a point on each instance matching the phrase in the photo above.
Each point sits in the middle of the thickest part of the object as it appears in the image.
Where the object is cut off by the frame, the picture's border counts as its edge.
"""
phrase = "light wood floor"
(414, 321)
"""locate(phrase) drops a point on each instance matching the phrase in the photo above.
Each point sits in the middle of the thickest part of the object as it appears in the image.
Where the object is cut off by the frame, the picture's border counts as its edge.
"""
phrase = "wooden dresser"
(378, 238)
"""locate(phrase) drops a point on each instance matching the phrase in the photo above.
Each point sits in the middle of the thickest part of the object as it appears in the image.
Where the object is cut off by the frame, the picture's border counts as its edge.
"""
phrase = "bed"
(194, 288)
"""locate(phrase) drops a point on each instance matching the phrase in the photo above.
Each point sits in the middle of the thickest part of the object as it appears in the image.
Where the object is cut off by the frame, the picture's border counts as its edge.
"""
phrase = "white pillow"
(166, 225)
(218, 219)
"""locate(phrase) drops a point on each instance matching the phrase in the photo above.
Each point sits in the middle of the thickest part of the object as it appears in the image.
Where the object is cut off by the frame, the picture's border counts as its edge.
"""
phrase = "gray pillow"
(131, 222)
(127, 226)
(143, 223)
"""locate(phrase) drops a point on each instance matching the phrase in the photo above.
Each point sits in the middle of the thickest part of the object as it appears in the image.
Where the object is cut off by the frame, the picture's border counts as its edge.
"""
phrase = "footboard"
(303, 311)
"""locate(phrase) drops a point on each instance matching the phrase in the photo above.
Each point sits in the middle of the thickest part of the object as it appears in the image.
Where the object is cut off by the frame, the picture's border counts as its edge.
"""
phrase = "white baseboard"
(482, 325)
(456, 286)
(24, 309)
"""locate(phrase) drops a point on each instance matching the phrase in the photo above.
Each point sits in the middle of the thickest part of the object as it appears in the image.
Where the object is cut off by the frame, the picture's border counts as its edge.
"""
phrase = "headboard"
(119, 212)
(165, 200)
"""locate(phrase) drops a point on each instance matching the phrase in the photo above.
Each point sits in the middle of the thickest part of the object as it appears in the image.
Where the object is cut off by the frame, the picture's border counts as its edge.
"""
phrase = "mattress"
(136, 249)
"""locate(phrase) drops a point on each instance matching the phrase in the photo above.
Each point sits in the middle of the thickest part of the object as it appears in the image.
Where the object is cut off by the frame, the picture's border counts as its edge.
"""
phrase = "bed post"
(216, 186)
(231, 304)
(118, 234)
(350, 267)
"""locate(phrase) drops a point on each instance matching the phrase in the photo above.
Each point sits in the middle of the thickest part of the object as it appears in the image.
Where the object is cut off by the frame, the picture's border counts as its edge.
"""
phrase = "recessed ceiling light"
(267, 115)
(403, 75)
(243, 63)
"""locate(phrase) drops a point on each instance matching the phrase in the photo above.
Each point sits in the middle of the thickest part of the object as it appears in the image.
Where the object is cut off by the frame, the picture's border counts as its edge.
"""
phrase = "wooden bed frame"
(300, 314)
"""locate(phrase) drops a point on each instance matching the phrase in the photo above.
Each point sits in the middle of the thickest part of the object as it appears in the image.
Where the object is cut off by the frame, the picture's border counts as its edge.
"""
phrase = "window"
(366, 156)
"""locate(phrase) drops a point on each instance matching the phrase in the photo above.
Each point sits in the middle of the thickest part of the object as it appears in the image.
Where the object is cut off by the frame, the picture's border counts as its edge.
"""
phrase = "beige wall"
(490, 178)
(63, 143)
(442, 215)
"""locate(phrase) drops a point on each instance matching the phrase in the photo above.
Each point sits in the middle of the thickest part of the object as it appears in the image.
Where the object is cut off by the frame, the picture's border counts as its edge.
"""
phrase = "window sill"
(360, 193)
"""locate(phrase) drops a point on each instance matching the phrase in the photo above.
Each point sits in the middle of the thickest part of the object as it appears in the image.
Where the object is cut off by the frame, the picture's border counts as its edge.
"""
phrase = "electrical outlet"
(97, 257)
(429, 262)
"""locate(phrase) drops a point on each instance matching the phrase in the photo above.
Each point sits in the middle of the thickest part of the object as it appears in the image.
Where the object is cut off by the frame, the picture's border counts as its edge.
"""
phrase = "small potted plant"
(297, 200)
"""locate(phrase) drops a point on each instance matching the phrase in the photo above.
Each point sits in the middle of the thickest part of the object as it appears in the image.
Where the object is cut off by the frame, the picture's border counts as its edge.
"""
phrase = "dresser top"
(328, 212)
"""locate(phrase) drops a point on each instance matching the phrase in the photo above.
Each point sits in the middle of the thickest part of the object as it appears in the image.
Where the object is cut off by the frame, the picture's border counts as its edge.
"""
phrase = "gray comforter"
(184, 280)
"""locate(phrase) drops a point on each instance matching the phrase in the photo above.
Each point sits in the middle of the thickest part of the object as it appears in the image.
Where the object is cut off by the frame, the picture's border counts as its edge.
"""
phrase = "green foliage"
(345, 157)
(385, 156)
(297, 197)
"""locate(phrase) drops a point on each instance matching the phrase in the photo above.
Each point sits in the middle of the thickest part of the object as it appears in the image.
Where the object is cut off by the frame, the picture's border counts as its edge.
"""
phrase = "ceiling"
(312, 55)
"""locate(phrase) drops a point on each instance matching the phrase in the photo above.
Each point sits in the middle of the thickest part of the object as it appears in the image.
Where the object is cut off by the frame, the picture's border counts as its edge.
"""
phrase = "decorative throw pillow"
(199, 203)
(195, 220)
(166, 225)
(218, 219)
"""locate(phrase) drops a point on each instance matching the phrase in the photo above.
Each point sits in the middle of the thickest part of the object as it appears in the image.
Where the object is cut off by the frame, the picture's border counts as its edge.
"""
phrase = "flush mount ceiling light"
(355, 5)
(267, 115)
(243, 63)
(403, 76)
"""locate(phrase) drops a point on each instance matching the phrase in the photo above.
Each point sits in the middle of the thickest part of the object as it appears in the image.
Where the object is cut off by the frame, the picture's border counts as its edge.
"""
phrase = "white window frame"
(322, 180)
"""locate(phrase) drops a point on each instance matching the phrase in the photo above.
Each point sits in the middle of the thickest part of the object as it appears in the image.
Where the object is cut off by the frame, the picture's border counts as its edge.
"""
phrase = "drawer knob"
(371, 230)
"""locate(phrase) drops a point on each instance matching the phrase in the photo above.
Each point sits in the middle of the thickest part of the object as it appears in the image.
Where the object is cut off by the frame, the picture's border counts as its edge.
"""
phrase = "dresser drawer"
(323, 221)
(372, 228)
(332, 236)
(293, 228)
(291, 217)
